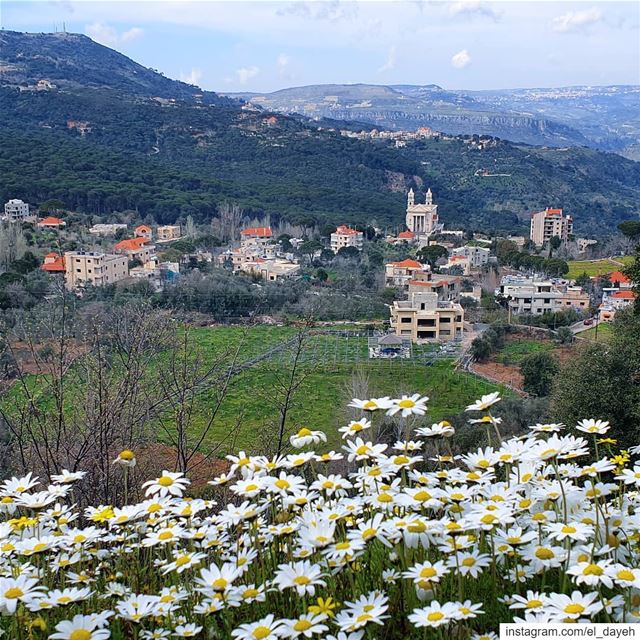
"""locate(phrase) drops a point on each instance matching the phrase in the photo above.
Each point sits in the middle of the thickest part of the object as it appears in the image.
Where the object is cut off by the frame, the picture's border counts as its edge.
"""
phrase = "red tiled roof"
(406, 234)
(257, 232)
(55, 264)
(423, 283)
(619, 277)
(143, 228)
(553, 212)
(51, 221)
(623, 295)
(130, 244)
(408, 264)
(344, 230)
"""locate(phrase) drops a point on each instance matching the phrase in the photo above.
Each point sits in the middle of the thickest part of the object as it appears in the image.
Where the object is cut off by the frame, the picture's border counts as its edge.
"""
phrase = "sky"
(263, 45)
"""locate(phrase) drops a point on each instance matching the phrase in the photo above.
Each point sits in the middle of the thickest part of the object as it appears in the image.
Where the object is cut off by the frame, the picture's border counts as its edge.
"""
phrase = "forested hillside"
(103, 148)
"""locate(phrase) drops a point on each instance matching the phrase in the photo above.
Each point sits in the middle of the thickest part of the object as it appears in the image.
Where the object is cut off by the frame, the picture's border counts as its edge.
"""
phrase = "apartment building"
(256, 236)
(424, 318)
(548, 224)
(526, 296)
(446, 287)
(573, 298)
(344, 236)
(16, 211)
(398, 274)
(93, 268)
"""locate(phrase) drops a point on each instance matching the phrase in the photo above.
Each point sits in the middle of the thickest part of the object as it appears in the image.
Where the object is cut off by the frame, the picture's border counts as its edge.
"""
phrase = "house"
(398, 274)
(612, 301)
(548, 224)
(620, 281)
(136, 249)
(50, 222)
(535, 297)
(459, 261)
(255, 236)
(94, 268)
(168, 232)
(270, 270)
(53, 263)
(345, 236)
(477, 256)
(424, 318)
(106, 229)
(143, 231)
(573, 298)
(446, 287)
(17, 211)
(404, 236)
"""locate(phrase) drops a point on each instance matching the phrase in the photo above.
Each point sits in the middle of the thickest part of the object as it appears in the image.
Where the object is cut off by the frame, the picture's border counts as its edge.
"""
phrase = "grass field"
(604, 333)
(515, 351)
(328, 365)
(597, 267)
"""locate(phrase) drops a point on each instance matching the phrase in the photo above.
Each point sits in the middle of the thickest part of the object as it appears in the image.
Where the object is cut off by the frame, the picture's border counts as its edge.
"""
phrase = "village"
(434, 288)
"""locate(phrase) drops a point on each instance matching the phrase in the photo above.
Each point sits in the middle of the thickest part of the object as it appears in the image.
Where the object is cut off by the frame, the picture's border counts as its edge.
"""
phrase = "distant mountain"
(85, 124)
(600, 117)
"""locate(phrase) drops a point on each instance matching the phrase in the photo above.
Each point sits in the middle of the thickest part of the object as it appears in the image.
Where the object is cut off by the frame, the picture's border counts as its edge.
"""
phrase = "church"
(422, 219)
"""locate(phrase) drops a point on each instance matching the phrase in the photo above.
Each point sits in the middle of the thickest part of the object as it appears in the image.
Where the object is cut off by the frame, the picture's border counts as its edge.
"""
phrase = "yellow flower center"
(165, 481)
(301, 580)
(574, 608)
(534, 604)
(370, 405)
(422, 496)
(260, 633)
(626, 575)
(362, 450)
(468, 562)
(593, 570)
(127, 455)
(165, 535)
(80, 634)
(356, 426)
(251, 487)
(544, 554)
(385, 497)
(282, 484)
(250, 593)
(435, 616)
(182, 560)
(406, 404)
(220, 584)
(417, 527)
(342, 546)
(364, 617)
(13, 593)
(301, 625)
(568, 529)
(369, 533)
(428, 572)
(400, 460)
(304, 432)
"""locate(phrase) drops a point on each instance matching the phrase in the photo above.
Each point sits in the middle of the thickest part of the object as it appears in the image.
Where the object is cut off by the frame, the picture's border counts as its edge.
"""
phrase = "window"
(405, 320)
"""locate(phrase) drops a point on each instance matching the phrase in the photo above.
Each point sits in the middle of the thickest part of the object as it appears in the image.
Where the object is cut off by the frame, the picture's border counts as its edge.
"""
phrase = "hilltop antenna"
(64, 27)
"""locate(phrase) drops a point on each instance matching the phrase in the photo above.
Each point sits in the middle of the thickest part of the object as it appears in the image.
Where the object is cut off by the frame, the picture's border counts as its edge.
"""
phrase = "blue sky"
(264, 46)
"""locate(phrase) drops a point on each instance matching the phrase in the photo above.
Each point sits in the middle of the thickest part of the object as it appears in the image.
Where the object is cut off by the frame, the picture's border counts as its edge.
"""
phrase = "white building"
(422, 219)
(477, 256)
(106, 229)
(16, 211)
(344, 236)
(548, 224)
(528, 296)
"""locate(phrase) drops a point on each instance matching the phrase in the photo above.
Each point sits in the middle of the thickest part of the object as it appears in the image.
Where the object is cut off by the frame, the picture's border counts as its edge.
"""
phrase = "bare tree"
(227, 225)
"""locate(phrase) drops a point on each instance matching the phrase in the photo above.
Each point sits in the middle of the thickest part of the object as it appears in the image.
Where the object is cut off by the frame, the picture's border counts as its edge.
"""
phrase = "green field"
(514, 352)
(604, 333)
(250, 409)
(596, 267)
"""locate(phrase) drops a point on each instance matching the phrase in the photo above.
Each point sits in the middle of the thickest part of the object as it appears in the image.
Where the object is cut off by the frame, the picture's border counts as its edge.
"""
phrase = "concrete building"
(93, 268)
(526, 296)
(270, 270)
(424, 318)
(446, 287)
(548, 224)
(573, 298)
(168, 232)
(53, 263)
(16, 211)
(422, 219)
(344, 236)
(459, 261)
(477, 256)
(398, 274)
(612, 301)
(106, 229)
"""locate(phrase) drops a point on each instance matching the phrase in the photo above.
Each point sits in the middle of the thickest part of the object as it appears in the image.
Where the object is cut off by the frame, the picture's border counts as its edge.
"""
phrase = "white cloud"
(105, 34)
(576, 20)
(390, 62)
(244, 74)
(461, 59)
(282, 62)
(193, 77)
(472, 8)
